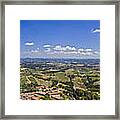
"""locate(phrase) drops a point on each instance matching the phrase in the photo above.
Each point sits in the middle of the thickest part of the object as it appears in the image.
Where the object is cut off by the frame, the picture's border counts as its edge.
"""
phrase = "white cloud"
(72, 52)
(65, 48)
(85, 53)
(95, 30)
(29, 43)
(84, 50)
(96, 52)
(73, 48)
(88, 50)
(89, 53)
(38, 48)
(70, 48)
(80, 50)
(58, 47)
(47, 46)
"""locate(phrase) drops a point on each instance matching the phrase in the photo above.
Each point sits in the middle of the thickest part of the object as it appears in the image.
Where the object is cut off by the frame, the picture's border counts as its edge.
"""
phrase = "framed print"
(59, 60)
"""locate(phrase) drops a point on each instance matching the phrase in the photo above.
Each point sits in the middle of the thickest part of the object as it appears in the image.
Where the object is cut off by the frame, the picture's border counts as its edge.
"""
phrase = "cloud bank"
(70, 50)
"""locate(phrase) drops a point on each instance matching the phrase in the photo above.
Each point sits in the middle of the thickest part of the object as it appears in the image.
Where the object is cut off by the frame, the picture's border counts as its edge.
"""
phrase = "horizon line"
(53, 58)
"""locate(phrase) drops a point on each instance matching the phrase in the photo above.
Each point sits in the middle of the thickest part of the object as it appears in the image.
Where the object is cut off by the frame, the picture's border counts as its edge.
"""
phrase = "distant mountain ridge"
(60, 60)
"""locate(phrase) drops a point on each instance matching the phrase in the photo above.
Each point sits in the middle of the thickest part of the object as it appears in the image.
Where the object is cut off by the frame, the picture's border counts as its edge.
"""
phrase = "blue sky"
(60, 38)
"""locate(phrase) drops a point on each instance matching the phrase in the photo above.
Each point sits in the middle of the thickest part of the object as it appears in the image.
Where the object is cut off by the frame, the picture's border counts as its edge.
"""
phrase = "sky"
(60, 39)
